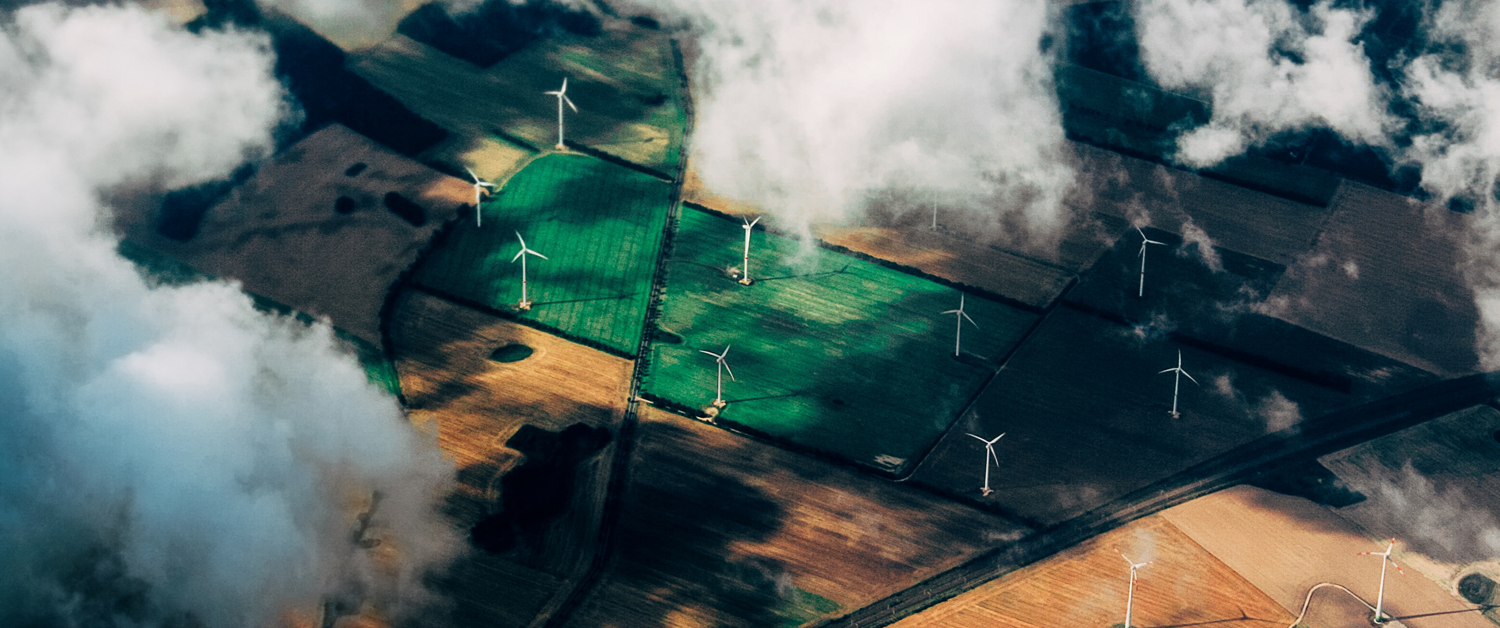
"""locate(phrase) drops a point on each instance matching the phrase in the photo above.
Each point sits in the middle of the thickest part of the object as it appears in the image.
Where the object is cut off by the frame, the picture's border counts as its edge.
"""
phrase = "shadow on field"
(675, 556)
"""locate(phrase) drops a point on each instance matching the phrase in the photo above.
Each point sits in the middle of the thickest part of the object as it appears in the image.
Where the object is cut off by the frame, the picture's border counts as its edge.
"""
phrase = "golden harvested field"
(280, 235)
(721, 530)
(1086, 587)
(1236, 218)
(476, 405)
(1434, 486)
(1285, 545)
(1386, 276)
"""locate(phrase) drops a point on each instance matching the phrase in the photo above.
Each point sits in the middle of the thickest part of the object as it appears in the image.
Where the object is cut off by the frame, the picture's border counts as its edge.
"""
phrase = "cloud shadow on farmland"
(677, 551)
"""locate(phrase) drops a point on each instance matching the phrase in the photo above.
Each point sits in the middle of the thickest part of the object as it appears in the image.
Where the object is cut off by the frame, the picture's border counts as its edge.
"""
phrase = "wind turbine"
(723, 366)
(525, 304)
(932, 200)
(962, 316)
(562, 97)
(1385, 557)
(745, 270)
(1130, 597)
(989, 454)
(479, 188)
(1144, 241)
(1177, 381)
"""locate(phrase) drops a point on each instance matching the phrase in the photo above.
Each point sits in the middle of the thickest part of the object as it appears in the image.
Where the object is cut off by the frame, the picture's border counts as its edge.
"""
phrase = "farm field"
(1087, 418)
(1235, 218)
(1387, 276)
(281, 236)
(830, 352)
(1220, 310)
(477, 405)
(600, 226)
(721, 530)
(1285, 545)
(1086, 586)
(625, 82)
(1418, 479)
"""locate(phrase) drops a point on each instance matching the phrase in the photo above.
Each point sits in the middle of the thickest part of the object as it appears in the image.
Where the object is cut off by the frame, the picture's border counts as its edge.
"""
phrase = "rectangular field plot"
(832, 353)
(1086, 586)
(770, 538)
(1087, 417)
(600, 226)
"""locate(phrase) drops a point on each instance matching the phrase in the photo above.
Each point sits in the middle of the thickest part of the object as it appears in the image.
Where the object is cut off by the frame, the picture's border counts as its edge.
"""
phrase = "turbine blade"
(1190, 377)
(1143, 234)
(753, 222)
(554, 93)
(980, 439)
(1166, 371)
(997, 438)
(727, 369)
(990, 451)
(523, 240)
(708, 352)
(565, 85)
(726, 351)
(570, 104)
(518, 254)
(473, 176)
(966, 317)
(536, 253)
(951, 312)
(1155, 242)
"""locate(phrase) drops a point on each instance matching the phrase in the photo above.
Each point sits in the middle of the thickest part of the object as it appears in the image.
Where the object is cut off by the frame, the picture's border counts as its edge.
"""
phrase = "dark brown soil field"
(1434, 486)
(720, 530)
(1087, 417)
(1387, 276)
(1087, 585)
(282, 236)
(478, 406)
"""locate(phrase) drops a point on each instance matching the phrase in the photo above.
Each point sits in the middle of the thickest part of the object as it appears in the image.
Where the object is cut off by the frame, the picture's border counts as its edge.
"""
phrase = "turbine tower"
(723, 366)
(1385, 557)
(1130, 597)
(932, 200)
(525, 303)
(1177, 381)
(745, 270)
(1144, 241)
(562, 97)
(479, 188)
(989, 454)
(962, 316)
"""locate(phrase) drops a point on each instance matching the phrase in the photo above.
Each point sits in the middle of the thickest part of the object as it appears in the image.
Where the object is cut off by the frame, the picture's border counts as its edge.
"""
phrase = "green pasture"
(600, 226)
(831, 352)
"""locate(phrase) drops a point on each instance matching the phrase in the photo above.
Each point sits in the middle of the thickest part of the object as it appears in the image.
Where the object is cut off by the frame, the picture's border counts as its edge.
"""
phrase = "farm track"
(1329, 433)
(614, 499)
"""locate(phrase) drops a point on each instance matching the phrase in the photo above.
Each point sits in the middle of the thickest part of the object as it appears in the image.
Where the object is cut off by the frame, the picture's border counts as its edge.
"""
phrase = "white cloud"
(811, 109)
(1266, 67)
(172, 443)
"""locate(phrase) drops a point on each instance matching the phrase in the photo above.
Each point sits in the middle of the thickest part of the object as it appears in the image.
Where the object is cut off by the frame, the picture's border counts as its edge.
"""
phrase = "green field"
(625, 82)
(833, 353)
(600, 226)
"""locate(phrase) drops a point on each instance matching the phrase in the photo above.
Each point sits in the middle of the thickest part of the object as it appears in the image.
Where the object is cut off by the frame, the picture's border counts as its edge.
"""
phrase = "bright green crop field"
(830, 352)
(600, 226)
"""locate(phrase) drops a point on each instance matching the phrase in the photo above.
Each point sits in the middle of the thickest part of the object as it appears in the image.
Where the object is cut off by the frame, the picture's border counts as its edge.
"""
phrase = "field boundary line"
(614, 497)
(1330, 432)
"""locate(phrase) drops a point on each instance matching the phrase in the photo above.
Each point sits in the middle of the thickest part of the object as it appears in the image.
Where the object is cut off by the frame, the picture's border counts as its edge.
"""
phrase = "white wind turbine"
(745, 270)
(1385, 557)
(1144, 241)
(525, 303)
(989, 454)
(479, 188)
(562, 97)
(1130, 597)
(723, 366)
(962, 316)
(1177, 381)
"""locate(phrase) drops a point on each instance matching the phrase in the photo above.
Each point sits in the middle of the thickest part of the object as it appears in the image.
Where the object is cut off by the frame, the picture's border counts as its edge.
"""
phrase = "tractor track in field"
(1326, 434)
